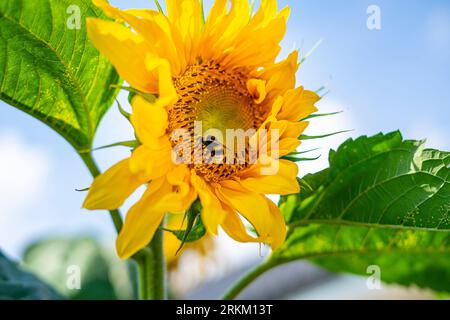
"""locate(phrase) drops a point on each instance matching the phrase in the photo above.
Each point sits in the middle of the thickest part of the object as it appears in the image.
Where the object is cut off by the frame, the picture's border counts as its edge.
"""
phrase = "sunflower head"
(220, 99)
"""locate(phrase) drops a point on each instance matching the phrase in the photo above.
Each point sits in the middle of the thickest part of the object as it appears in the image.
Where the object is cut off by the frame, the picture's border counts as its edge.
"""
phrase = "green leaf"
(50, 70)
(406, 257)
(383, 201)
(16, 284)
(102, 274)
(381, 181)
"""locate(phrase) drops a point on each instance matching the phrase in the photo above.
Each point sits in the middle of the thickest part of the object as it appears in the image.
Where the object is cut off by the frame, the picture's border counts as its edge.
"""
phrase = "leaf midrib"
(380, 183)
(350, 223)
(71, 76)
(339, 221)
(342, 172)
(282, 260)
(306, 220)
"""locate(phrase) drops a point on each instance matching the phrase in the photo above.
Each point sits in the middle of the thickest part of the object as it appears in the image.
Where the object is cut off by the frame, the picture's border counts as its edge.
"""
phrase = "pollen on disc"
(220, 99)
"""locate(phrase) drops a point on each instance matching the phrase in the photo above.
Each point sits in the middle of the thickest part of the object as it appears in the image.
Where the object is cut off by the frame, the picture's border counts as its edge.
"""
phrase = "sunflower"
(222, 72)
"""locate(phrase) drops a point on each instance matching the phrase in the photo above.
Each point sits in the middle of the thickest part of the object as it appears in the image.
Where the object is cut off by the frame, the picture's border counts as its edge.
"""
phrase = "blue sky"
(393, 78)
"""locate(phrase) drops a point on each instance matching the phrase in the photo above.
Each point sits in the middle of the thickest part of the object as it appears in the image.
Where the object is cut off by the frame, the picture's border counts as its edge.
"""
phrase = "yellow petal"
(256, 45)
(142, 220)
(152, 161)
(235, 228)
(218, 9)
(251, 205)
(287, 146)
(186, 15)
(281, 76)
(212, 211)
(261, 212)
(166, 91)
(186, 18)
(283, 182)
(171, 246)
(126, 51)
(234, 39)
(171, 242)
(110, 189)
(289, 138)
(107, 9)
(167, 194)
(267, 11)
(293, 129)
(149, 119)
(146, 14)
(278, 232)
(281, 138)
(257, 88)
(297, 104)
(152, 26)
(185, 195)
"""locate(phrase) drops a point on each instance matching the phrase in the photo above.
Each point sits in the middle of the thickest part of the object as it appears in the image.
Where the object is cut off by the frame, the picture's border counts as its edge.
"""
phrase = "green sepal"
(295, 159)
(307, 137)
(195, 228)
(129, 144)
(319, 115)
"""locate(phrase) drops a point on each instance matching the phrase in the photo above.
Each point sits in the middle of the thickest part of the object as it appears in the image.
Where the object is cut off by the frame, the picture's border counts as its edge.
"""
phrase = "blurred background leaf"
(16, 284)
(50, 70)
(103, 275)
(383, 201)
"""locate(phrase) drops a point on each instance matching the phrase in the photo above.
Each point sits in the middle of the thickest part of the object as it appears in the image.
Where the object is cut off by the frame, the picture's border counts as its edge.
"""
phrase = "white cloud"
(23, 173)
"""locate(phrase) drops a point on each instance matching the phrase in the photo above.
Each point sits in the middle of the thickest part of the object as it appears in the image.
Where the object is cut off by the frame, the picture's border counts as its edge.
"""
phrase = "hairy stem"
(151, 267)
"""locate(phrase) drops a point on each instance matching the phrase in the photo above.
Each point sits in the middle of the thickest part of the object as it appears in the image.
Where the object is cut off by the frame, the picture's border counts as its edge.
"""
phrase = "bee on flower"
(218, 74)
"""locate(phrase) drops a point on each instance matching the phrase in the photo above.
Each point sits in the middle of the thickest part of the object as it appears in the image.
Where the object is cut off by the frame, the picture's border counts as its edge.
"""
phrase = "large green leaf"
(50, 70)
(404, 256)
(381, 181)
(384, 202)
(16, 284)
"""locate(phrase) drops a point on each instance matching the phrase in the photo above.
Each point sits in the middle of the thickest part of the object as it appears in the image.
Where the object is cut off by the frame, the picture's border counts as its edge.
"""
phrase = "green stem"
(151, 267)
(150, 260)
(242, 283)
(95, 171)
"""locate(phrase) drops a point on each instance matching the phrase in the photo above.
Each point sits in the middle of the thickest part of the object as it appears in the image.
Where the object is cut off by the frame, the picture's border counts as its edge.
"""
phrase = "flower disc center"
(216, 99)
(223, 108)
